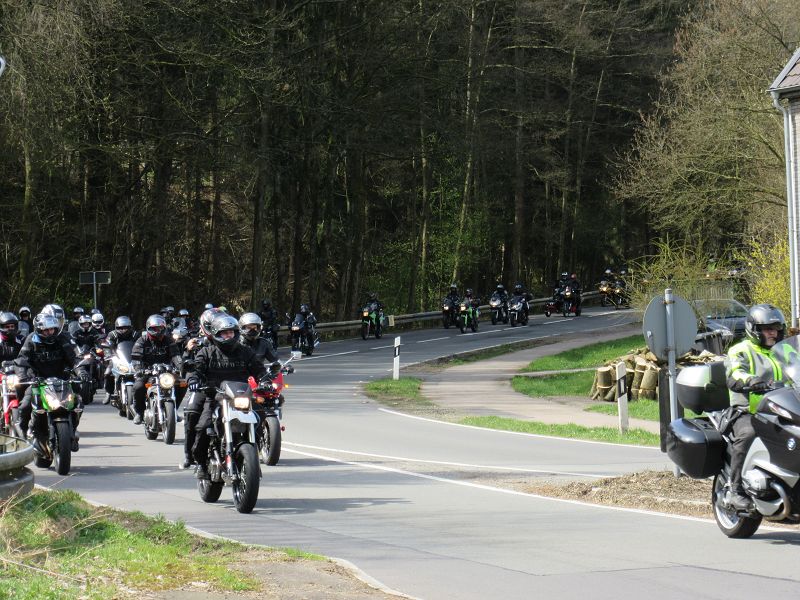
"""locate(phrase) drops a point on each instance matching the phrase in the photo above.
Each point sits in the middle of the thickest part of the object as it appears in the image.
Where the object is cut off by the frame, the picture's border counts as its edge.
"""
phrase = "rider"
(225, 359)
(25, 321)
(751, 369)
(576, 288)
(153, 347)
(99, 324)
(452, 295)
(123, 332)
(77, 313)
(520, 291)
(250, 327)
(10, 342)
(85, 337)
(46, 353)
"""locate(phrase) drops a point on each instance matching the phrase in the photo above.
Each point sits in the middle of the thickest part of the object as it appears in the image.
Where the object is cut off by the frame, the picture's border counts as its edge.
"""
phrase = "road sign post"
(622, 396)
(94, 278)
(396, 366)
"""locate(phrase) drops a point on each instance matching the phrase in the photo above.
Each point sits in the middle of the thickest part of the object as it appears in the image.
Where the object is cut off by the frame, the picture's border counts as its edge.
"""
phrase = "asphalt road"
(395, 496)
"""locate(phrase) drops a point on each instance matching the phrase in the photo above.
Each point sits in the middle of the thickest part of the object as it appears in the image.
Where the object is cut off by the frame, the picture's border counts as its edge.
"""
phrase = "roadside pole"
(396, 366)
(622, 396)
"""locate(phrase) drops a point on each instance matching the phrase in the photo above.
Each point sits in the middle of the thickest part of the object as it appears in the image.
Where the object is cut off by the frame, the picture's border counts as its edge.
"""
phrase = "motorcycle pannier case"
(696, 447)
(702, 388)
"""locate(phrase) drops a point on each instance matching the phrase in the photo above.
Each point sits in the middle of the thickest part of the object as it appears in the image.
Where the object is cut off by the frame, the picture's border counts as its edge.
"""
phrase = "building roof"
(789, 79)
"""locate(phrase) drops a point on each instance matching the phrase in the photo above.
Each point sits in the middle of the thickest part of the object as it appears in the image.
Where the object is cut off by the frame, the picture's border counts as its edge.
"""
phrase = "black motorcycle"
(771, 471)
(518, 310)
(570, 301)
(499, 307)
(160, 413)
(303, 335)
(449, 313)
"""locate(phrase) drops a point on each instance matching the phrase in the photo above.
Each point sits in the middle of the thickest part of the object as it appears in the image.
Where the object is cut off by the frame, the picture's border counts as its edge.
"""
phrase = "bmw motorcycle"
(771, 471)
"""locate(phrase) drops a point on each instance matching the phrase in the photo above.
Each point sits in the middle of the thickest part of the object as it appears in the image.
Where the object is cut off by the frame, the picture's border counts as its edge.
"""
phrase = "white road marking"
(489, 488)
(434, 340)
(305, 358)
(382, 347)
(448, 463)
(535, 435)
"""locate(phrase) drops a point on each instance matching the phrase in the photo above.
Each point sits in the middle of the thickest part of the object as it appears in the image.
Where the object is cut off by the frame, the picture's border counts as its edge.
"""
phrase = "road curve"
(394, 495)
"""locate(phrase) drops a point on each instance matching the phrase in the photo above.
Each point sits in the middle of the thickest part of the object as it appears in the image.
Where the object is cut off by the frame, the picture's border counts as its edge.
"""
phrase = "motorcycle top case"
(702, 388)
(696, 447)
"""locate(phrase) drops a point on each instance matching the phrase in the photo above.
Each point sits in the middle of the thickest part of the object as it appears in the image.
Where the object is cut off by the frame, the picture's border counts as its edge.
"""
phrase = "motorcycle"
(371, 321)
(499, 307)
(569, 301)
(605, 288)
(124, 378)
(232, 455)
(9, 379)
(93, 360)
(771, 470)
(467, 316)
(303, 335)
(160, 413)
(271, 333)
(518, 311)
(619, 295)
(449, 313)
(269, 406)
(56, 421)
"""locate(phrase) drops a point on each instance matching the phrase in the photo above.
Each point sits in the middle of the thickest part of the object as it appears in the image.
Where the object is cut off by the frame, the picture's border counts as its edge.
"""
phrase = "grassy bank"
(56, 545)
(400, 393)
(565, 384)
(593, 355)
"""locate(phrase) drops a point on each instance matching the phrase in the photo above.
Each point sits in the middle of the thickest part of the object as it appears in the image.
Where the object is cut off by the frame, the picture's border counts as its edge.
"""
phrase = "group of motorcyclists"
(204, 352)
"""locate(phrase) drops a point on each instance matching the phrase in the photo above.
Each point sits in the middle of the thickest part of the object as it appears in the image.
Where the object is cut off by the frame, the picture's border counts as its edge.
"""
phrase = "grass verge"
(565, 384)
(639, 409)
(588, 356)
(396, 393)
(637, 437)
(56, 545)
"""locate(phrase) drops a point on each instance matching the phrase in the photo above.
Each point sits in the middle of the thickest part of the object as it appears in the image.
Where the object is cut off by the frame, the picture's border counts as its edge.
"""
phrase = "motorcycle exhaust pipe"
(787, 505)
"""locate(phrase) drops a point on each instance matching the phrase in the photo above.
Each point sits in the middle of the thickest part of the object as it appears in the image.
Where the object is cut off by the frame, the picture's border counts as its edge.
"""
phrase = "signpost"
(622, 396)
(669, 327)
(396, 366)
(94, 278)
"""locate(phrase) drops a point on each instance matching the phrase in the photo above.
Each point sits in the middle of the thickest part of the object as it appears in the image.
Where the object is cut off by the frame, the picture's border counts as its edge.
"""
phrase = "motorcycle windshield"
(235, 389)
(787, 355)
(299, 320)
(124, 351)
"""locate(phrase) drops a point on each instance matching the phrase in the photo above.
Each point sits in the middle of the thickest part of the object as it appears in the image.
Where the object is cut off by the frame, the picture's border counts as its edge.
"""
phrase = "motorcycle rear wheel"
(62, 455)
(245, 488)
(87, 393)
(209, 491)
(270, 449)
(494, 319)
(446, 322)
(729, 522)
(169, 423)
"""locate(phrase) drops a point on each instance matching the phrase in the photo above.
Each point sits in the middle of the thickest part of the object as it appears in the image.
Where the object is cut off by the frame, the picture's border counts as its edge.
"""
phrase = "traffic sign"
(94, 277)
(654, 326)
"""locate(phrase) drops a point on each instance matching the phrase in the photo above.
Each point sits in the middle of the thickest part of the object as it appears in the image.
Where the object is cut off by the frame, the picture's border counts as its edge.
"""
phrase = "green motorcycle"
(467, 316)
(58, 412)
(371, 321)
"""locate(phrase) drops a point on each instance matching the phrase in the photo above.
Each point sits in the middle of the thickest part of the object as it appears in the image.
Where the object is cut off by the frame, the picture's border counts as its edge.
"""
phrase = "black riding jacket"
(114, 338)
(269, 316)
(212, 365)
(9, 349)
(37, 359)
(86, 340)
(261, 347)
(147, 352)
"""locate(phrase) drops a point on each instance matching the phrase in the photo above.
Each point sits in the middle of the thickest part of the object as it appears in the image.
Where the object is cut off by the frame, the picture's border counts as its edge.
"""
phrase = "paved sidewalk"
(484, 387)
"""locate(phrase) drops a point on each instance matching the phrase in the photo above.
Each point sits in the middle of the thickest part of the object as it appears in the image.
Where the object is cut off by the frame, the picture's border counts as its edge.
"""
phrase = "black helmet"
(453, 287)
(266, 303)
(250, 325)
(518, 288)
(221, 325)
(95, 311)
(179, 334)
(46, 327)
(9, 325)
(305, 309)
(24, 309)
(564, 275)
(77, 311)
(468, 292)
(85, 322)
(124, 327)
(501, 288)
(156, 327)
(762, 315)
(54, 310)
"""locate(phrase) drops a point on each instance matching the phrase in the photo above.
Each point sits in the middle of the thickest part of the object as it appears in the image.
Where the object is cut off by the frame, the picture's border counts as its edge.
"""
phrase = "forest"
(316, 150)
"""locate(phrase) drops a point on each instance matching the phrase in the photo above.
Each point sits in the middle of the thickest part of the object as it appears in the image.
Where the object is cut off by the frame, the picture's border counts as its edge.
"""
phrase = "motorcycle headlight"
(463, 307)
(365, 313)
(166, 380)
(53, 401)
(12, 380)
(295, 327)
(495, 303)
(123, 368)
(568, 293)
(445, 308)
(241, 403)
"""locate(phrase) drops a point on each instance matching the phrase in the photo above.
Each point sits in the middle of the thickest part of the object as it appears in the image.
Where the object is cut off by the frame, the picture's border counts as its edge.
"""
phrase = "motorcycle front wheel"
(245, 488)
(62, 454)
(270, 450)
(732, 524)
(474, 324)
(129, 402)
(462, 324)
(169, 423)
(364, 331)
(513, 320)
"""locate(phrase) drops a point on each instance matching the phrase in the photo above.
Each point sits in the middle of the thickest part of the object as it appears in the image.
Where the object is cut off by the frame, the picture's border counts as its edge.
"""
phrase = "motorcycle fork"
(230, 466)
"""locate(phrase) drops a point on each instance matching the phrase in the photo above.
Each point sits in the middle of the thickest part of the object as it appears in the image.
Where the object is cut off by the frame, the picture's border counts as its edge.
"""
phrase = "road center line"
(434, 340)
(448, 463)
(305, 358)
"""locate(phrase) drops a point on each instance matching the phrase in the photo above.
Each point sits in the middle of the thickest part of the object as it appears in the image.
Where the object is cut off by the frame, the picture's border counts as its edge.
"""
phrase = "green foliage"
(567, 384)
(50, 535)
(768, 272)
(405, 389)
(593, 355)
(639, 409)
(638, 437)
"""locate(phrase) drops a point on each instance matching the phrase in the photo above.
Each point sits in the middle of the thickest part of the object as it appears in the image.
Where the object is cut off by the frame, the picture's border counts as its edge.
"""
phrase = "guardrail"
(15, 478)
(427, 316)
